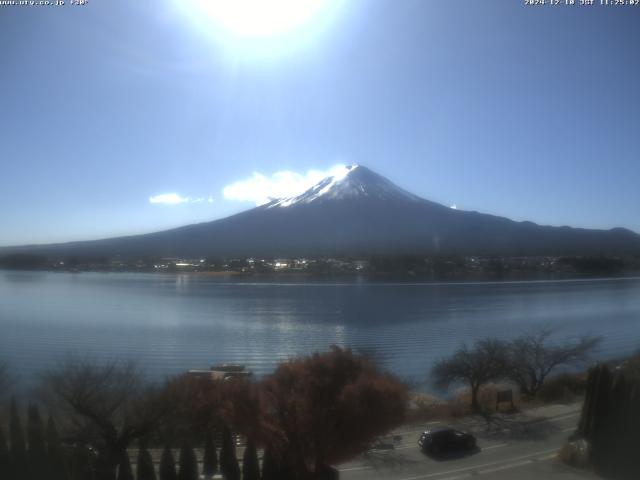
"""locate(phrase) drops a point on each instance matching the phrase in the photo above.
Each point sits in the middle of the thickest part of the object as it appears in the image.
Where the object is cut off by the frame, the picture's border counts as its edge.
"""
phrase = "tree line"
(526, 361)
(312, 412)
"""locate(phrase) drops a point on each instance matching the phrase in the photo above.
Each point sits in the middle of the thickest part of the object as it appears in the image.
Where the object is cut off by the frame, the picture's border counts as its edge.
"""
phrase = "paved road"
(511, 447)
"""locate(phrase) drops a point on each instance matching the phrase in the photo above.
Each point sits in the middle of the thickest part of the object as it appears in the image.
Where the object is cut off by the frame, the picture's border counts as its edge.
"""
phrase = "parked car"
(442, 440)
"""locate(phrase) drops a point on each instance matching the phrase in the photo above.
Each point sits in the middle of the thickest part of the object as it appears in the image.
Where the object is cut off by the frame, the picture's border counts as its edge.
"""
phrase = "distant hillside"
(359, 213)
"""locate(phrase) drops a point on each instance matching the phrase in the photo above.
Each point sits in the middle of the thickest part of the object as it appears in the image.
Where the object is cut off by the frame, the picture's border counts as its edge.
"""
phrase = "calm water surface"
(172, 323)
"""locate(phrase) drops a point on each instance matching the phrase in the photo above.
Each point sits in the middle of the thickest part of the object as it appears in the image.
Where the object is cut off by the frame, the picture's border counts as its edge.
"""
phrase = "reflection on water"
(172, 323)
(22, 277)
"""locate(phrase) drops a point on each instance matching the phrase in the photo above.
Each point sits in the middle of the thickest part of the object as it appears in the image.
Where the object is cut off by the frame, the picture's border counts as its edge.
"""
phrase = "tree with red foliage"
(196, 403)
(240, 402)
(327, 408)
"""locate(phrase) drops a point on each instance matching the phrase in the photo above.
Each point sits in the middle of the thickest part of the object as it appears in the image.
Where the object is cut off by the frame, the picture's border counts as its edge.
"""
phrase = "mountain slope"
(357, 212)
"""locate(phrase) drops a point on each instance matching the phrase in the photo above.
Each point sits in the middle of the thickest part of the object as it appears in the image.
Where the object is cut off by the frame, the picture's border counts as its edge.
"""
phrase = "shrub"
(426, 407)
(566, 387)
(575, 454)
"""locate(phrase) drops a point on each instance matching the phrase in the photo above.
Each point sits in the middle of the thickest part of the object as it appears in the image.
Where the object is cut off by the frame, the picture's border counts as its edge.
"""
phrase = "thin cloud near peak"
(176, 199)
(261, 188)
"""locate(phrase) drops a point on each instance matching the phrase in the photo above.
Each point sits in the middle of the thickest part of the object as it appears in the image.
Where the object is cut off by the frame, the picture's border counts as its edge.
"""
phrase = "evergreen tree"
(18, 449)
(37, 453)
(144, 469)
(55, 454)
(270, 470)
(250, 465)
(4, 456)
(210, 458)
(188, 463)
(124, 468)
(168, 465)
(276, 468)
(228, 460)
(81, 464)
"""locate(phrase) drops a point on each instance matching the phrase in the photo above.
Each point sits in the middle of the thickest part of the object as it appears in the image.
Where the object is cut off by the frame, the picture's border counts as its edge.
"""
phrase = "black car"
(446, 440)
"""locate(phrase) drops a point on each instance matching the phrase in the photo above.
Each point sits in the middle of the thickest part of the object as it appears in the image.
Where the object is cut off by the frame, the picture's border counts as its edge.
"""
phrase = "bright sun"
(259, 18)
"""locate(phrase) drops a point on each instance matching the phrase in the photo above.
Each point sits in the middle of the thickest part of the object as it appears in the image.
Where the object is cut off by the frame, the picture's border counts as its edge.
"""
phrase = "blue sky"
(530, 113)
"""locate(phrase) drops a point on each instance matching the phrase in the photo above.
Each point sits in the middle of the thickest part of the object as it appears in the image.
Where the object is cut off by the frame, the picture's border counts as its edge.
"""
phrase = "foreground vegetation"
(526, 362)
(608, 433)
(311, 413)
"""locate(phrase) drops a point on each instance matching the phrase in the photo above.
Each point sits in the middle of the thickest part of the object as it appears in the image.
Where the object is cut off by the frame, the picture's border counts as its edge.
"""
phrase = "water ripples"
(167, 329)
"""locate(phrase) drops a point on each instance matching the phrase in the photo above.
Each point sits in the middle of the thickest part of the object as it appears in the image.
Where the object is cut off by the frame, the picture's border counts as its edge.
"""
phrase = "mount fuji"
(355, 212)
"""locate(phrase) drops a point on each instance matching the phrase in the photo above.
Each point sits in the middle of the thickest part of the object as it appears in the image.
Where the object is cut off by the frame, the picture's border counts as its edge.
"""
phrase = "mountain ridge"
(352, 181)
(353, 212)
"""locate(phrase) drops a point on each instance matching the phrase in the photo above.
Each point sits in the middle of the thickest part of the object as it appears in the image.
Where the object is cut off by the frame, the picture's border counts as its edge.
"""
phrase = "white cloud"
(176, 199)
(261, 189)
(168, 199)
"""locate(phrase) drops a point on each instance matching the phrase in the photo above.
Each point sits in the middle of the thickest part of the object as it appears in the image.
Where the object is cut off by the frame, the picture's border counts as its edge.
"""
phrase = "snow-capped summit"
(353, 212)
(353, 181)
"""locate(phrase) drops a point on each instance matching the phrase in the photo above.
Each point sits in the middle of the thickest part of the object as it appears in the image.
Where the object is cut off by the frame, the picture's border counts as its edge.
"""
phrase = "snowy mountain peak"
(353, 181)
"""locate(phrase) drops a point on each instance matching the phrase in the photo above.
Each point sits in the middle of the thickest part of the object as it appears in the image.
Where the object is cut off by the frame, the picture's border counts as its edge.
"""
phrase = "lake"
(171, 323)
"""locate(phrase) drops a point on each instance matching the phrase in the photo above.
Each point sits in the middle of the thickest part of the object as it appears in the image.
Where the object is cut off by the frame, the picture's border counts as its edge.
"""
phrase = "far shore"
(406, 277)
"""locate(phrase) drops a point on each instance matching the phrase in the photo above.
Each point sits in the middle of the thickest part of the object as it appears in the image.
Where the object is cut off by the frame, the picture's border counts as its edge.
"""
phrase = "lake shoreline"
(171, 323)
(355, 278)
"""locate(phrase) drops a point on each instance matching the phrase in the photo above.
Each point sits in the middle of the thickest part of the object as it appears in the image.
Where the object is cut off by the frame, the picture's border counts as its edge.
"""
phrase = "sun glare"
(260, 26)
(259, 18)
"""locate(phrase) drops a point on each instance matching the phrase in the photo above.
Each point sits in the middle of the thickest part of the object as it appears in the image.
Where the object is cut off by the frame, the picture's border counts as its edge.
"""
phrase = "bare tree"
(4, 378)
(484, 362)
(108, 407)
(532, 357)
